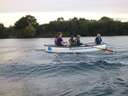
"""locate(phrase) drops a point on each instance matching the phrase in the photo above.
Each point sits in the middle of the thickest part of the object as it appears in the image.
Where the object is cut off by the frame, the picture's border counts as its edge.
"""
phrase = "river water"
(26, 70)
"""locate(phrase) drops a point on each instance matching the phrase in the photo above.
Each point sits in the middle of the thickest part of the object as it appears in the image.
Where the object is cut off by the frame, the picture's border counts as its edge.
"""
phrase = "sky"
(48, 10)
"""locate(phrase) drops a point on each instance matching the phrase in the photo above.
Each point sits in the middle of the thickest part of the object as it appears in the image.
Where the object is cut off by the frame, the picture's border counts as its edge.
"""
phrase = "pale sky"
(47, 10)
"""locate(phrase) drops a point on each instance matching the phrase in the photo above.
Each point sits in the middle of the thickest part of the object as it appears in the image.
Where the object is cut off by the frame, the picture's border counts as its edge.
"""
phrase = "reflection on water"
(28, 71)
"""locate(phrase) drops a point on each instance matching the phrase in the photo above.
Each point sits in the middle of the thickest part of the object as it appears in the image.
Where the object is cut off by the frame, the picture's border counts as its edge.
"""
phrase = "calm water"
(25, 70)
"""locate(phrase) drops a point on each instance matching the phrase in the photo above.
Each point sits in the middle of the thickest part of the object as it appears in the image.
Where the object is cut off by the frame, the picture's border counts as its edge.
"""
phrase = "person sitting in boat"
(72, 41)
(59, 40)
(98, 39)
(77, 41)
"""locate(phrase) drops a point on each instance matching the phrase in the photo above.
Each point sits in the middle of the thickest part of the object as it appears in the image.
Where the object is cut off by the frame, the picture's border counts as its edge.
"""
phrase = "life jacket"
(78, 42)
(98, 40)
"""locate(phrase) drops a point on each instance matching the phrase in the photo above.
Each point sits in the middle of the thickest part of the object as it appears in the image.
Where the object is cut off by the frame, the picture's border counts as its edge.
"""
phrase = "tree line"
(28, 27)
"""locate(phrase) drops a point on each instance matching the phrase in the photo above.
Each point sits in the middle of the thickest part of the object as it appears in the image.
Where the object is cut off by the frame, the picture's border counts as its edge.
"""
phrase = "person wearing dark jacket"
(77, 40)
(98, 39)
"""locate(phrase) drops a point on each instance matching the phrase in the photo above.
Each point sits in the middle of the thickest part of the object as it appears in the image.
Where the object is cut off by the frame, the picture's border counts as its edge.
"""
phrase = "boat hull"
(81, 49)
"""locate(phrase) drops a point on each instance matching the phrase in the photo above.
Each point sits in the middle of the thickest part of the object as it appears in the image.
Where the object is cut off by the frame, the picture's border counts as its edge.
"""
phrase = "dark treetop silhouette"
(27, 27)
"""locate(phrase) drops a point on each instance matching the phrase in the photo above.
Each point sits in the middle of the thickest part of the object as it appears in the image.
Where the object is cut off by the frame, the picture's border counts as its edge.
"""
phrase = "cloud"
(51, 9)
(64, 5)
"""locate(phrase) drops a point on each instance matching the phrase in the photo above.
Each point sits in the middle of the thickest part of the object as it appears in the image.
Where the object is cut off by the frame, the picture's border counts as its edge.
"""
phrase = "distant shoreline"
(28, 27)
(64, 37)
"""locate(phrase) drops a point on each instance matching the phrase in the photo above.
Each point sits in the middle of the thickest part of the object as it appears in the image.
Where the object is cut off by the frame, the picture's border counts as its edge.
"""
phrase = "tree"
(105, 19)
(2, 31)
(26, 26)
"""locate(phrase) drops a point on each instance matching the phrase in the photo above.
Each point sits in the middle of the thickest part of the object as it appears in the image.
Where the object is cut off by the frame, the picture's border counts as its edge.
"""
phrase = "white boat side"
(81, 49)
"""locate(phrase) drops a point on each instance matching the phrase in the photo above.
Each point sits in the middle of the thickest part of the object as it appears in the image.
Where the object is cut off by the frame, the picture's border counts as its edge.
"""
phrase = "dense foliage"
(27, 27)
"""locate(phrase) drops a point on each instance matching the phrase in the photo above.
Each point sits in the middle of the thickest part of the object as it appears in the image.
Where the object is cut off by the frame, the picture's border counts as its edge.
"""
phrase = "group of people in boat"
(74, 40)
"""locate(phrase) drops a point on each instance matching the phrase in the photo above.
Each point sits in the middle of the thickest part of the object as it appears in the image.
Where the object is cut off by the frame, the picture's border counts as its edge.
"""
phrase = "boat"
(78, 49)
